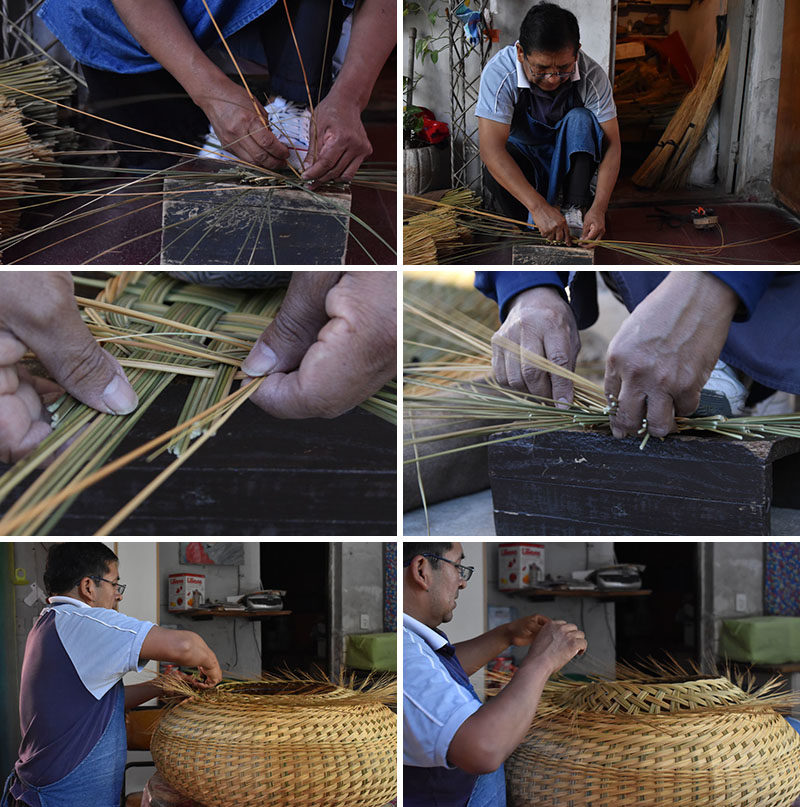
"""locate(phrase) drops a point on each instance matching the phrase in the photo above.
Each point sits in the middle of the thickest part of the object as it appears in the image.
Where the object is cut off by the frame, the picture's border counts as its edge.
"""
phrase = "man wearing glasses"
(454, 746)
(72, 701)
(546, 122)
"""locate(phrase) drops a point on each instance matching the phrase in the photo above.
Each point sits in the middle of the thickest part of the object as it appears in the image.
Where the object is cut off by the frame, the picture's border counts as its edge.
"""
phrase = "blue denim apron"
(95, 782)
(549, 148)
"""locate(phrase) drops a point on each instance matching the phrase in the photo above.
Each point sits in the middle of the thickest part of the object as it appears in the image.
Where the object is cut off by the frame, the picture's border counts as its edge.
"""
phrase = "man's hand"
(556, 644)
(551, 223)
(38, 312)
(664, 352)
(339, 142)
(540, 322)
(332, 345)
(523, 631)
(594, 224)
(240, 128)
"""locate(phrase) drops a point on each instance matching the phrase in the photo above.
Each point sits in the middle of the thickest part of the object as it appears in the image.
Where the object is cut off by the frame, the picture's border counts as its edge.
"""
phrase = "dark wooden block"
(546, 255)
(258, 476)
(587, 483)
(226, 223)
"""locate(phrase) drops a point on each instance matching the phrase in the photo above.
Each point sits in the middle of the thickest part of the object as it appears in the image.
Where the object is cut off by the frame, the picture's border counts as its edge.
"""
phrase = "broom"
(692, 115)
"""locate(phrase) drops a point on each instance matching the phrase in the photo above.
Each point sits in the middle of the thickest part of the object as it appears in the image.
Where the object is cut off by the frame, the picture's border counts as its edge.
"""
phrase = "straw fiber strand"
(699, 742)
(283, 750)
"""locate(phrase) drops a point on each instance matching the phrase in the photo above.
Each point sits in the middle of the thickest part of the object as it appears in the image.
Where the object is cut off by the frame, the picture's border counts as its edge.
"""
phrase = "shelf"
(209, 613)
(543, 594)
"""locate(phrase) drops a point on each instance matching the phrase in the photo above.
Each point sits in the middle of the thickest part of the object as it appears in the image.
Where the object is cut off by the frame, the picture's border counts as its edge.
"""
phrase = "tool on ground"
(703, 218)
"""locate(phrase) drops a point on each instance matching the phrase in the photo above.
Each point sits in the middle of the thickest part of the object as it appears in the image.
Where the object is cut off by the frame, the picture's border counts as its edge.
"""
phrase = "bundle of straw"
(285, 741)
(432, 235)
(158, 328)
(669, 162)
(15, 178)
(657, 740)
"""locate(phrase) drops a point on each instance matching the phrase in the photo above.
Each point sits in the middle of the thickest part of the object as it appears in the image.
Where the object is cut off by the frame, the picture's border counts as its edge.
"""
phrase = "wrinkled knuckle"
(559, 358)
(86, 362)
(290, 328)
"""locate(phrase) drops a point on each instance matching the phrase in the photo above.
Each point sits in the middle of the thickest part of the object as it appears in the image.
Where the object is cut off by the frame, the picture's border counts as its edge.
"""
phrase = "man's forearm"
(487, 738)
(159, 28)
(372, 38)
(475, 653)
(136, 694)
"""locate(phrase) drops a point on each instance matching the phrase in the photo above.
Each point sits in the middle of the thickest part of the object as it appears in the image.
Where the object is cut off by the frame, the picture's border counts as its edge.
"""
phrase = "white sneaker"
(724, 382)
(288, 121)
(574, 217)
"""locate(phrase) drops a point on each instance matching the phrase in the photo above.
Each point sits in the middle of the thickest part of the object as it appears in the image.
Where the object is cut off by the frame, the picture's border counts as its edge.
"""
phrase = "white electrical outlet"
(364, 621)
(741, 603)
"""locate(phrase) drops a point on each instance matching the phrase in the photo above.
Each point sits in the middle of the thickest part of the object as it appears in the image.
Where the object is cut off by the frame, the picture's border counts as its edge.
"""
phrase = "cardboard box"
(186, 591)
(519, 566)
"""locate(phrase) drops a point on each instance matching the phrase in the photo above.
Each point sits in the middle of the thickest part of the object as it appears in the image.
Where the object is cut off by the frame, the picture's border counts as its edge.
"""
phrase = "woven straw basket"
(292, 744)
(658, 742)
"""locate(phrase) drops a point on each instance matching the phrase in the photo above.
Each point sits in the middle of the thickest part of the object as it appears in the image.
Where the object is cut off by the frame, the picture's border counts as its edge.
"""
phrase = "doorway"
(299, 641)
(667, 621)
(659, 52)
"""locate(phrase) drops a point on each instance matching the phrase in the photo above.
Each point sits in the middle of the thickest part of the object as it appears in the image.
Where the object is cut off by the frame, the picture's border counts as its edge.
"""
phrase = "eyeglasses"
(120, 587)
(553, 75)
(465, 572)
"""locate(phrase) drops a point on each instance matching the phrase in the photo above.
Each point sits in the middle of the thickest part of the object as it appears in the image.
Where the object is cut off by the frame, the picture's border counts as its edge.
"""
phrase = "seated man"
(454, 746)
(547, 121)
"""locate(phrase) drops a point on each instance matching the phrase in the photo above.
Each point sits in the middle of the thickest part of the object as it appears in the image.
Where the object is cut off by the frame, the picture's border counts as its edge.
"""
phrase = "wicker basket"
(655, 742)
(288, 744)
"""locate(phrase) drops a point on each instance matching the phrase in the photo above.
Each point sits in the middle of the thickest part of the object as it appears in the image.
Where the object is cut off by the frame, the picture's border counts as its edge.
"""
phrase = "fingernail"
(119, 396)
(562, 403)
(260, 361)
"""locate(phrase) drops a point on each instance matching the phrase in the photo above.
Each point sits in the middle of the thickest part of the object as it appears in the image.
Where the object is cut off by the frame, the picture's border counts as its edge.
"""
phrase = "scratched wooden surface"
(584, 483)
(258, 476)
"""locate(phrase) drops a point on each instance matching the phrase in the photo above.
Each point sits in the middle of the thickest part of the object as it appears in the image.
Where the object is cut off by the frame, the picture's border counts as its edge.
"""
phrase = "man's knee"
(580, 117)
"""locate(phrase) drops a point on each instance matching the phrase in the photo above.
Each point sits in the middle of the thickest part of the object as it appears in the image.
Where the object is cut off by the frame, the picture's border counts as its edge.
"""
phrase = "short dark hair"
(411, 550)
(70, 562)
(548, 28)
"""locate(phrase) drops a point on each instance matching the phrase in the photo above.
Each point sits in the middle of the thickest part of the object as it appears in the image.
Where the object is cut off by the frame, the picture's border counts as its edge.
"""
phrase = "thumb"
(283, 344)
(89, 373)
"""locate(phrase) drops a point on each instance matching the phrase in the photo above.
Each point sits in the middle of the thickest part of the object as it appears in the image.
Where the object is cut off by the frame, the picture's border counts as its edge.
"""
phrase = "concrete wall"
(433, 90)
(362, 587)
(760, 110)
(728, 570)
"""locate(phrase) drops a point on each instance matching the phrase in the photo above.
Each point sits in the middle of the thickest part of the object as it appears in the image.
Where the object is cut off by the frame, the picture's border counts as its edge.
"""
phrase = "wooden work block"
(232, 224)
(547, 255)
(587, 483)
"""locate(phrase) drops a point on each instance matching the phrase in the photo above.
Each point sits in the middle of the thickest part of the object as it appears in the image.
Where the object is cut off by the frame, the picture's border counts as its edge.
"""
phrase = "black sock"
(576, 183)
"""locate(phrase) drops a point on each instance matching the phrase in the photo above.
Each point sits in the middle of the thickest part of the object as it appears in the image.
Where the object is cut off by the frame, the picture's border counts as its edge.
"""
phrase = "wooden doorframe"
(786, 161)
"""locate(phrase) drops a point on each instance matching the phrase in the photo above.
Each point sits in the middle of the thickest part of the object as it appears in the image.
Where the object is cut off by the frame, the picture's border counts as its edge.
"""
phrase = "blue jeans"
(544, 154)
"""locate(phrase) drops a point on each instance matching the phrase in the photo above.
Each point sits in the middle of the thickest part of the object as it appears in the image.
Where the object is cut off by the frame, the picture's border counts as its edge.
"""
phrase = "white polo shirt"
(434, 705)
(503, 78)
